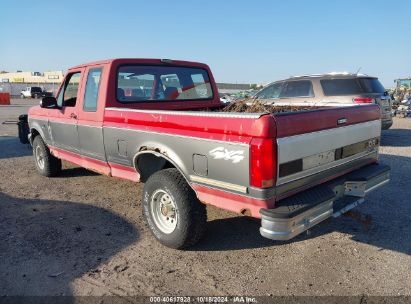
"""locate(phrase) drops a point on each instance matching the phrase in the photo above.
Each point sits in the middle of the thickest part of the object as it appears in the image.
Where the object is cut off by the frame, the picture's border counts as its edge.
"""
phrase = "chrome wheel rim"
(164, 211)
(39, 157)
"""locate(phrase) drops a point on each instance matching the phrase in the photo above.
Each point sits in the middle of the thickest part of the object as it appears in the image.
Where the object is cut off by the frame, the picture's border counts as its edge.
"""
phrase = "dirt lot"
(84, 234)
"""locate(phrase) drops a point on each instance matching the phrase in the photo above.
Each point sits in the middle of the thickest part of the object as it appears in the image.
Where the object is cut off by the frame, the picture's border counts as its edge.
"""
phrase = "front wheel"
(46, 164)
(173, 213)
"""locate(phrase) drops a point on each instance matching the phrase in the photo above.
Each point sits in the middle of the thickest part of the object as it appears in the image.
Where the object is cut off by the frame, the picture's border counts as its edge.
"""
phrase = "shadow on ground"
(47, 244)
(18, 105)
(75, 172)
(383, 220)
(10, 146)
(396, 138)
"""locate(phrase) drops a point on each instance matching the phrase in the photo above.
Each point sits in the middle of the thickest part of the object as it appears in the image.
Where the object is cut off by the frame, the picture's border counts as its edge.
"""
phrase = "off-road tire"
(51, 165)
(191, 214)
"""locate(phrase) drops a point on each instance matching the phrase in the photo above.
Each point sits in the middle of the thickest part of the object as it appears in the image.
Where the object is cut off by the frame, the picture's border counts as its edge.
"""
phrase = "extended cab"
(157, 122)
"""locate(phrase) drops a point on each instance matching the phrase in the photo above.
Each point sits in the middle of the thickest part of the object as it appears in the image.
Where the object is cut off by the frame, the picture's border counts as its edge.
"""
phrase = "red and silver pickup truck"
(157, 121)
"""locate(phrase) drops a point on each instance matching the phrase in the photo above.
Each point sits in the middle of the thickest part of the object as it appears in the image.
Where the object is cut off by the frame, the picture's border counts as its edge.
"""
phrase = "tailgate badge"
(341, 121)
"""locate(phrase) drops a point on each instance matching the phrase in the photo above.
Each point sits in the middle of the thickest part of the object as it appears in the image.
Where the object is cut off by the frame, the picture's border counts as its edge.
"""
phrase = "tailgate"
(316, 146)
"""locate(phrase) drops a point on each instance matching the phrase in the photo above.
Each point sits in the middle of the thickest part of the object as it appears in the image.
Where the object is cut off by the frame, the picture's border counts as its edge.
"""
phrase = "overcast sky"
(242, 41)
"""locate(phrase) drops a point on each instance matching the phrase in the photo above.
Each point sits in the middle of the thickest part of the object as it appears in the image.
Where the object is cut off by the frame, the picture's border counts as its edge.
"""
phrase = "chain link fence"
(14, 89)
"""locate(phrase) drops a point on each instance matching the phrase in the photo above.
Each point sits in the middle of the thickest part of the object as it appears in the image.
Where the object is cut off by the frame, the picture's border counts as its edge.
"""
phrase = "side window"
(60, 98)
(271, 92)
(299, 88)
(92, 89)
(68, 94)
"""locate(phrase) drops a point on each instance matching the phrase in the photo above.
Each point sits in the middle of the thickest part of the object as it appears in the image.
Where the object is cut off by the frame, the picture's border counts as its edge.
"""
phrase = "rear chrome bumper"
(304, 210)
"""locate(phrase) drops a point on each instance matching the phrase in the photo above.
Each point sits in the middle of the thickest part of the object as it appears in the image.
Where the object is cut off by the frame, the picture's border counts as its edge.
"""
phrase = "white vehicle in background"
(225, 98)
(32, 92)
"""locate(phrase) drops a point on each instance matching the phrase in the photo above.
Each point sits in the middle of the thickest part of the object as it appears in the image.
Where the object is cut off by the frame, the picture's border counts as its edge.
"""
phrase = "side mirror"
(48, 102)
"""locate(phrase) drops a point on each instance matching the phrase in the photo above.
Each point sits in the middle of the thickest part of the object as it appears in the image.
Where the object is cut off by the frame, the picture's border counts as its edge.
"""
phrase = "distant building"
(32, 77)
(233, 87)
(55, 77)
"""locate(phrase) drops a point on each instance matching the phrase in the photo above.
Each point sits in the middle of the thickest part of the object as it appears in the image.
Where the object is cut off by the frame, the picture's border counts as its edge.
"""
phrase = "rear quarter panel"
(217, 144)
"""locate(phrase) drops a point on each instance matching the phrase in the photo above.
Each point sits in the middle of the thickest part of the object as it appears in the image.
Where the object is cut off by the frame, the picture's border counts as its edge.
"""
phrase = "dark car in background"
(34, 92)
(339, 89)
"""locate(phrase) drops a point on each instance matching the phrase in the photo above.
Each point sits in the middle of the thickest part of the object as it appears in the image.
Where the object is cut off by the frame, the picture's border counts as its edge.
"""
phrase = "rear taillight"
(263, 160)
(364, 100)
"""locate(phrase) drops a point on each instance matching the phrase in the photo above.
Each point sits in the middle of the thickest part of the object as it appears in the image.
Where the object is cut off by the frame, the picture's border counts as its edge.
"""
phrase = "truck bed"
(298, 135)
(254, 106)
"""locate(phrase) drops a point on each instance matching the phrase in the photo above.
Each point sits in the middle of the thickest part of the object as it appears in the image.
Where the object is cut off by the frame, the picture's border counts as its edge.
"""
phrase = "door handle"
(74, 116)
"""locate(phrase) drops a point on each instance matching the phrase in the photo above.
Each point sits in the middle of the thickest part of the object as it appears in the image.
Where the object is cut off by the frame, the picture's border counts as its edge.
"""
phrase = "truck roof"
(140, 60)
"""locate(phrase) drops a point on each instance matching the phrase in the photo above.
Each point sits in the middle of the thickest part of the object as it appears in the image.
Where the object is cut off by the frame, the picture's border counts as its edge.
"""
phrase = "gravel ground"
(84, 234)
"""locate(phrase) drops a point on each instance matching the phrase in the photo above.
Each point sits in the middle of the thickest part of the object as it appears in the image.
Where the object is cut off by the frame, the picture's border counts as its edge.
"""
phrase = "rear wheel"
(173, 213)
(46, 164)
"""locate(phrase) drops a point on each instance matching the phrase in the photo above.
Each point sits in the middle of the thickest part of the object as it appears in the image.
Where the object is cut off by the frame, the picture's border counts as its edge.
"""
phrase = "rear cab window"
(154, 83)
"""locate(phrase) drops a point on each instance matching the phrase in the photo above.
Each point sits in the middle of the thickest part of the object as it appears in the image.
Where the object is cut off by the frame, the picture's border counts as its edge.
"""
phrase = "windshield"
(351, 86)
(139, 83)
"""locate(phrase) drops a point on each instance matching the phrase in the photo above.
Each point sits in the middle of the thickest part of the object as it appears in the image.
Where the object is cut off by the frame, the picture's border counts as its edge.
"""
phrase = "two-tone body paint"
(128, 133)
(144, 131)
(111, 139)
(177, 136)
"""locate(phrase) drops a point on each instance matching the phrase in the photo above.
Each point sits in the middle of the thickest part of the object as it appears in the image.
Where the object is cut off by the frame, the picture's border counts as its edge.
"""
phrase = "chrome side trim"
(74, 124)
(59, 122)
(191, 113)
(90, 126)
(35, 118)
(213, 182)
